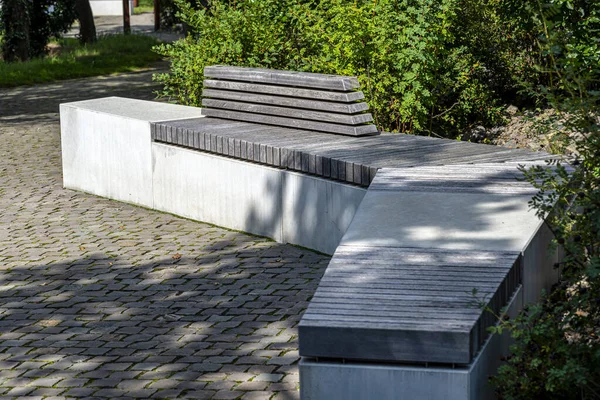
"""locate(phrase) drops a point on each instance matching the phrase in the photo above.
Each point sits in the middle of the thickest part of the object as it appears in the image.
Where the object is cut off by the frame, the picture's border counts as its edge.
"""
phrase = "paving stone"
(227, 394)
(172, 367)
(240, 377)
(255, 385)
(133, 384)
(283, 386)
(109, 393)
(211, 377)
(220, 385)
(261, 395)
(45, 382)
(153, 375)
(80, 392)
(291, 395)
(164, 384)
(167, 394)
(268, 378)
(77, 312)
(116, 366)
(199, 394)
(71, 382)
(95, 374)
(145, 366)
(141, 393)
(46, 392)
(262, 369)
(20, 391)
(186, 376)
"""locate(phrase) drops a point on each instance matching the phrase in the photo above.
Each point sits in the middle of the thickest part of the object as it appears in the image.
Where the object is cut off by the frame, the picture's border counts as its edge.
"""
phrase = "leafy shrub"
(556, 354)
(424, 66)
(169, 10)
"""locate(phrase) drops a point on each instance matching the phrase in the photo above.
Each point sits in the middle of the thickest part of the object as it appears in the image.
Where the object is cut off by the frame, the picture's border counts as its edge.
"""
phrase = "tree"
(28, 25)
(15, 22)
(87, 28)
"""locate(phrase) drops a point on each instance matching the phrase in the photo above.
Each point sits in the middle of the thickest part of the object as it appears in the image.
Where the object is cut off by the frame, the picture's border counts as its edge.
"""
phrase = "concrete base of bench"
(107, 151)
(286, 206)
(332, 380)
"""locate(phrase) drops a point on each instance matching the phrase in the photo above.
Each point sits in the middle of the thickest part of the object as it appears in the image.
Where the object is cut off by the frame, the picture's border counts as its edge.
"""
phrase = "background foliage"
(557, 349)
(430, 66)
(41, 20)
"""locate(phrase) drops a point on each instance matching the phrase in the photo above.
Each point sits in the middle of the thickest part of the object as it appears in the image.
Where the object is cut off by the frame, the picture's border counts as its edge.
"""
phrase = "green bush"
(169, 12)
(556, 354)
(430, 66)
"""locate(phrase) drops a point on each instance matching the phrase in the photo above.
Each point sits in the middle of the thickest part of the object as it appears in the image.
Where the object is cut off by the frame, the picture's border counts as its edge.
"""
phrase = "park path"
(141, 24)
(103, 299)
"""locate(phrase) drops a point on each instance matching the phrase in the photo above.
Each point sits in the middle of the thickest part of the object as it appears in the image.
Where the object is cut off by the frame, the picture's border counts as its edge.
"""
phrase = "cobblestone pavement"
(102, 299)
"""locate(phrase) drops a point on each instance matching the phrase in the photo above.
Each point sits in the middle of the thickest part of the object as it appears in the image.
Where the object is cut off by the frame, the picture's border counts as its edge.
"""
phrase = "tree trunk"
(15, 18)
(126, 18)
(87, 27)
(157, 15)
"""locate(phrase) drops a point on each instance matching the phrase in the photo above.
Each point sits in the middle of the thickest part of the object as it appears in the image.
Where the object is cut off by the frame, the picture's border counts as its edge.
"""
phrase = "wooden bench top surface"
(348, 159)
(399, 287)
(406, 304)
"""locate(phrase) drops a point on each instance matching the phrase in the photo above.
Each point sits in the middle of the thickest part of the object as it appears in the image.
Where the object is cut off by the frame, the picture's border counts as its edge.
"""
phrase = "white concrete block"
(317, 212)
(225, 192)
(286, 206)
(106, 146)
(143, 110)
(349, 381)
(454, 221)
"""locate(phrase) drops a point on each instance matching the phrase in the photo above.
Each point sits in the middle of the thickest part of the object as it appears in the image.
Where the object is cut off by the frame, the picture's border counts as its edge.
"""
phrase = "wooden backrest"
(303, 100)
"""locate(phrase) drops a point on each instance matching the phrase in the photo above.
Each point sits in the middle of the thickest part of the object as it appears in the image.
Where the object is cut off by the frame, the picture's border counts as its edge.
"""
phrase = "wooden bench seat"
(401, 281)
(310, 123)
(353, 160)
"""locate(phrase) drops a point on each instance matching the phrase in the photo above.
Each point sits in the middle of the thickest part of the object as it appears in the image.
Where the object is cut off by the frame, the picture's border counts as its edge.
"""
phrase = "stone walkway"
(102, 299)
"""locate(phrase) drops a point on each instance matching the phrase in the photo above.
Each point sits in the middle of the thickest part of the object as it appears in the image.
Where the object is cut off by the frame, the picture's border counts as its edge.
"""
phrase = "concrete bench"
(414, 223)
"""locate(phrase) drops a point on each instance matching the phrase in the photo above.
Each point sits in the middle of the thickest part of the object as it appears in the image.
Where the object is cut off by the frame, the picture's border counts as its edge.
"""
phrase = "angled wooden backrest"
(303, 100)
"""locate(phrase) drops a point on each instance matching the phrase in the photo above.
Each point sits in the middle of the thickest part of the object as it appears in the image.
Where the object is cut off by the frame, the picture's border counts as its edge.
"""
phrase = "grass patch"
(144, 6)
(112, 53)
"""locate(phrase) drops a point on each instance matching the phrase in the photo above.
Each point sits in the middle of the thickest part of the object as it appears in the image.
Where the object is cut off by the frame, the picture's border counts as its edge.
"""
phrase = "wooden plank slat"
(294, 113)
(285, 78)
(318, 95)
(294, 123)
(342, 108)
